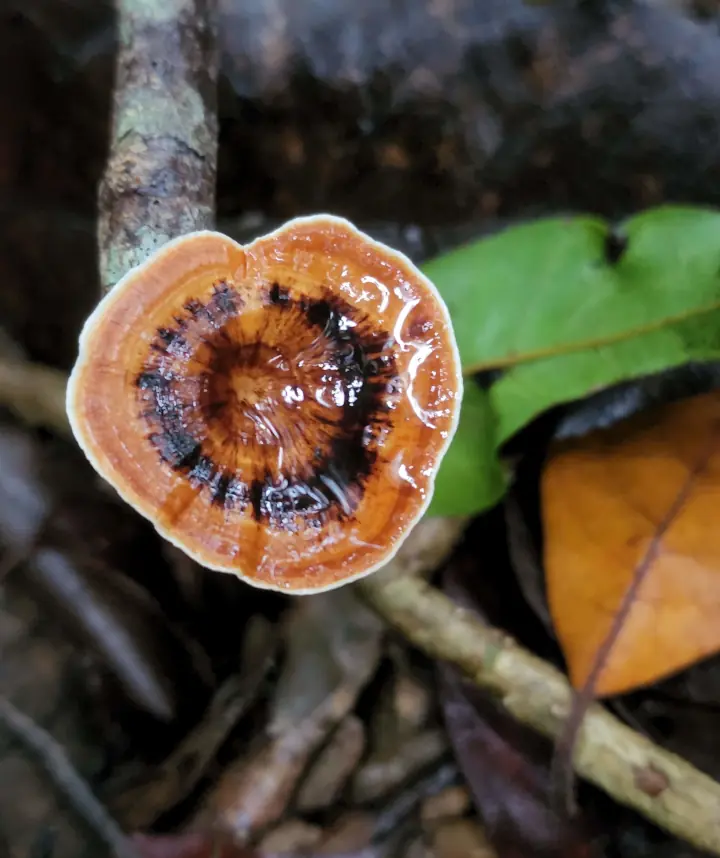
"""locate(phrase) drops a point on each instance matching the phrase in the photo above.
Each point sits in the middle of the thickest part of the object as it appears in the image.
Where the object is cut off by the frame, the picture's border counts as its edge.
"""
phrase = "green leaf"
(566, 309)
(471, 477)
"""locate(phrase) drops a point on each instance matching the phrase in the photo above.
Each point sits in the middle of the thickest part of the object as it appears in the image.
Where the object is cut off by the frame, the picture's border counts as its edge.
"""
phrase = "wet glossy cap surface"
(278, 410)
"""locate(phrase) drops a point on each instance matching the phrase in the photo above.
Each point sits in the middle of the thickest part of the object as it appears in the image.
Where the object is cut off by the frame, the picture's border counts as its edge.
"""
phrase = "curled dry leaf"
(632, 548)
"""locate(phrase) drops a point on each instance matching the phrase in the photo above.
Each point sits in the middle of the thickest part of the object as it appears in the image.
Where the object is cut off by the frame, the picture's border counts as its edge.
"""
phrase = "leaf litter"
(631, 550)
(115, 616)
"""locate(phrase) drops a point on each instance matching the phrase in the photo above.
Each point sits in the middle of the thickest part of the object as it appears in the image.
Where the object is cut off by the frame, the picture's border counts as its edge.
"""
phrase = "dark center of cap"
(278, 412)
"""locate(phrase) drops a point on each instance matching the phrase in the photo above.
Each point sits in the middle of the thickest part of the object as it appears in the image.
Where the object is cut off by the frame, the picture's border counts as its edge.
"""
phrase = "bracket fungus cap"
(277, 410)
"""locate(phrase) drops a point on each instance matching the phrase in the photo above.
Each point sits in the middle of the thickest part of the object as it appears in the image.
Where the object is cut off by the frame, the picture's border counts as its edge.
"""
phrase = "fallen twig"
(35, 393)
(333, 646)
(64, 775)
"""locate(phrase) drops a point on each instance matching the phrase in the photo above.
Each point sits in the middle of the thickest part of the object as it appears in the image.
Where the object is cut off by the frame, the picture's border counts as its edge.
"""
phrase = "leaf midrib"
(512, 360)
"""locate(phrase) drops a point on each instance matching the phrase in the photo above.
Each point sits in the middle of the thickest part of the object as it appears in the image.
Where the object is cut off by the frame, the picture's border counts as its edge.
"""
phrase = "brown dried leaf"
(632, 554)
(506, 767)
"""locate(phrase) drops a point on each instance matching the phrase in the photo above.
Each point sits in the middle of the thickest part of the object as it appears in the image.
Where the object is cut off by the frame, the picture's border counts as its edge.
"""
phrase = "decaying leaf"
(632, 547)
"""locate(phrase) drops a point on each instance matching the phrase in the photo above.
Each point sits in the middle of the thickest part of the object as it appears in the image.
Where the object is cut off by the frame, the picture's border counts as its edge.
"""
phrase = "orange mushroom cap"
(277, 410)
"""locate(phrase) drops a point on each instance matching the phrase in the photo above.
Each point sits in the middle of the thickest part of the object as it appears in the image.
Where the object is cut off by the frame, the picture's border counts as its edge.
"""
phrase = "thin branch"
(35, 393)
(63, 774)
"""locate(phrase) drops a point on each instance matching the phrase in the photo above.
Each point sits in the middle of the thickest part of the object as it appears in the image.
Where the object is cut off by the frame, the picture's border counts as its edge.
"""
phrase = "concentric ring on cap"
(277, 410)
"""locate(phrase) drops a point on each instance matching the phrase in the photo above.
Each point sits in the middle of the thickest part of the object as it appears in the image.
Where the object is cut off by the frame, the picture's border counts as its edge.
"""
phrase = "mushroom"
(277, 410)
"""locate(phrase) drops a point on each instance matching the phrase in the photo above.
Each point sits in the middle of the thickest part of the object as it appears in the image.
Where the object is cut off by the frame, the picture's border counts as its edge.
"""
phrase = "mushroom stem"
(159, 182)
